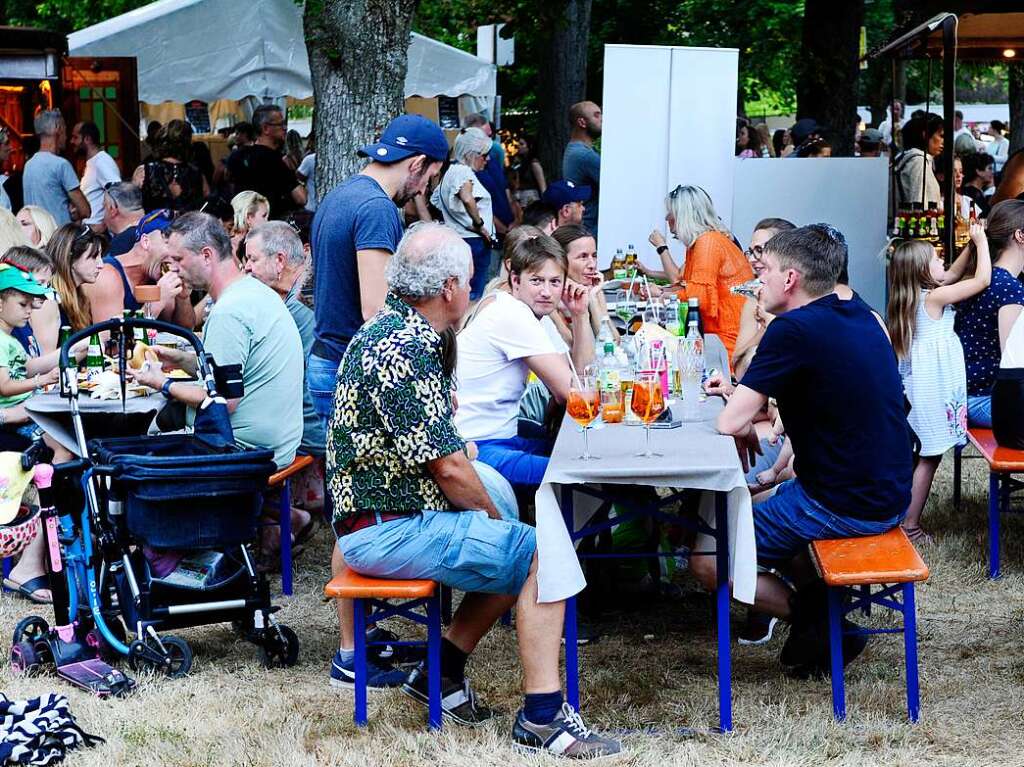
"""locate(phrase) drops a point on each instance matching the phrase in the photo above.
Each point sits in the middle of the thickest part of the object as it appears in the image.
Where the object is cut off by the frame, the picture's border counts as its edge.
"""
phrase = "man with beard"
(581, 164)
(260, 166)
(100, 170)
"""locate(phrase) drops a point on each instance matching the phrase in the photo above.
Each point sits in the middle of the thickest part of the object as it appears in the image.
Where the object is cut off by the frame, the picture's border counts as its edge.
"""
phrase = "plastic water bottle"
(691, 365)
(610, 381)
(672, 316)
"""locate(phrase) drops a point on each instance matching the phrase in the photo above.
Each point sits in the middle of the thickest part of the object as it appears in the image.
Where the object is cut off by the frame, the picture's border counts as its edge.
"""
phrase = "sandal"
(917, 534)
(306, 532)
(28, 589)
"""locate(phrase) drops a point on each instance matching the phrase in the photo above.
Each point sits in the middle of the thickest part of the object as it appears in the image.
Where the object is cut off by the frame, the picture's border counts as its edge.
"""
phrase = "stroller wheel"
(30, 629)
(25, 659)
(147, 655)
(280, 647)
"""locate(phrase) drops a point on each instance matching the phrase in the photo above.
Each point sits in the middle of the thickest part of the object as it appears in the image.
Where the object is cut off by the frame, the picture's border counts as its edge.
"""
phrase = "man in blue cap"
(355, 231)
(114, 289)
(567, 200)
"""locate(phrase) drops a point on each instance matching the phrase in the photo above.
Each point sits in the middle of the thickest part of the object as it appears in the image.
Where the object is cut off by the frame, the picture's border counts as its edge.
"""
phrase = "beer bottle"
(694, 315)
(94, 356)
(129, 338)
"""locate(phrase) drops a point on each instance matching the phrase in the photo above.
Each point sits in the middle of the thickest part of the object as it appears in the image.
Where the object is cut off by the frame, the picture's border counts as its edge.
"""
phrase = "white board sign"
(850, 193)
(669, 119)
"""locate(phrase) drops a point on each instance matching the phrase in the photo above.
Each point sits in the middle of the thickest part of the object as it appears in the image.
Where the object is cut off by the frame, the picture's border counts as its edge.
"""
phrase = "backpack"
(39, 731)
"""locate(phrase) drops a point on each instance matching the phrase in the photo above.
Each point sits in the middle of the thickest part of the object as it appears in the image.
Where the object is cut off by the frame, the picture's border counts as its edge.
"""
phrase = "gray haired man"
(49, 181)
(122, 211)
(408, 502)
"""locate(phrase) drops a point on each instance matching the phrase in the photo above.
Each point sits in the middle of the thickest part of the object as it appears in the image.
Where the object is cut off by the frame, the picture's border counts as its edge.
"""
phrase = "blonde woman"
(713, 264)
(37, 224)
(251, 210)
(11, 233)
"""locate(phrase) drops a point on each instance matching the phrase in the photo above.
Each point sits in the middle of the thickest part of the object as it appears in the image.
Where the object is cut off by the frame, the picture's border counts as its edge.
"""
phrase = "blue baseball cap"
(563, 192)
(406, 136)
(154, 221)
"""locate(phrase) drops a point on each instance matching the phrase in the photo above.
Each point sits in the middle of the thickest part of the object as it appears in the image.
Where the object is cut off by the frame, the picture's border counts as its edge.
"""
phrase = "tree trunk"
(826, 88)
(561, 80)
(358, 56)
(1016, 106)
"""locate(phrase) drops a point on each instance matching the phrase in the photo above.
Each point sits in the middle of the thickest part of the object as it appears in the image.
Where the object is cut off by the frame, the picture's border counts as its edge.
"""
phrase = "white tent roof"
(231, 49)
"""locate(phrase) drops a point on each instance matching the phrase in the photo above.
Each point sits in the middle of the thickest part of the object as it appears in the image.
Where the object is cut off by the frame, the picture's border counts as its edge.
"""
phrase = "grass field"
(655, 668)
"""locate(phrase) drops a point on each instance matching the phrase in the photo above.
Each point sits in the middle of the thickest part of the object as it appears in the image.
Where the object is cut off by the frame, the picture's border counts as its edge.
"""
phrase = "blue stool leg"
(957, 458)
(506, 618)
(359, 625)
(994, 507)
(572, 659)
(722, 596)
(835, 646)
(865, 592)
(434, 661)
(7, 571)
(285, 514)
(910, 651)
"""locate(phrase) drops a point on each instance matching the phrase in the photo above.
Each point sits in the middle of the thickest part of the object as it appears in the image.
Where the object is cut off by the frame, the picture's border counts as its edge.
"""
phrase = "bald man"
(581, 163)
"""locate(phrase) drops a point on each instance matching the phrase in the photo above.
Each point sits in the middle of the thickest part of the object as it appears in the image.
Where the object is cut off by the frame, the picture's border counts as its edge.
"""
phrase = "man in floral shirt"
(408, 502)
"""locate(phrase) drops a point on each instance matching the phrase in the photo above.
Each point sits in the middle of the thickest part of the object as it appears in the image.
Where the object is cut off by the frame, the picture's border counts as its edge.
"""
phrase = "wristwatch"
(661, 249)
(166, 388)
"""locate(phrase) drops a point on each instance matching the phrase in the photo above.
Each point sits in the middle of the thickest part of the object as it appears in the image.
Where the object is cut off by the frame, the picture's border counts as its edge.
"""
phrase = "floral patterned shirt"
(392, 414)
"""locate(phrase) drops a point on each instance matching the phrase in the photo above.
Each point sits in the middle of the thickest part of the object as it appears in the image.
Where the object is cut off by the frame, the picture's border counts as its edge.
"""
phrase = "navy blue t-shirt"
(492, 176)
(355, 215)
(834, 375)
(977, 324)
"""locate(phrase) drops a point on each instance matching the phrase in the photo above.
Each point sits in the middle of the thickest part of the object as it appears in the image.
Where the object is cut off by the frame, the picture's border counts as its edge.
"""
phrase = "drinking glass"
(648, 403)
(584, 406)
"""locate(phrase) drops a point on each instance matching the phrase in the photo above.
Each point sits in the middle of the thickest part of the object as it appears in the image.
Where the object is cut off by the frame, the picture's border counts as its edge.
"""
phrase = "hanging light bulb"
(1009, 53)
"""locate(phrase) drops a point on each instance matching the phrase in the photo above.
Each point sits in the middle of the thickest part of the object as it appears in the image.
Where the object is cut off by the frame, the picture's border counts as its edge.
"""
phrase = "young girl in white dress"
(920, 320)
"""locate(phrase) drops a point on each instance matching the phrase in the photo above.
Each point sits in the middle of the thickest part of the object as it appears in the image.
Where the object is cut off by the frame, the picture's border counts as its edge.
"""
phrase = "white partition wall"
(669, 119)
(848, 193)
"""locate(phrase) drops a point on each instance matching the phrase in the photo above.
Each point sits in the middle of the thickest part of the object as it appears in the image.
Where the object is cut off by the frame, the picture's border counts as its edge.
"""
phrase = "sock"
(453, 662)
(542, 707)
(346, 656)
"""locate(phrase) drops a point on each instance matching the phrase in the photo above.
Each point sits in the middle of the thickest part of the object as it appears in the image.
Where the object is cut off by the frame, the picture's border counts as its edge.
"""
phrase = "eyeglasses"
(281, 124)
(754, 253)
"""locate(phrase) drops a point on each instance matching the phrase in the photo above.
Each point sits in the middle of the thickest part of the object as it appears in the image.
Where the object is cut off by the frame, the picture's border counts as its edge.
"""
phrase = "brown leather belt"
(356, 522)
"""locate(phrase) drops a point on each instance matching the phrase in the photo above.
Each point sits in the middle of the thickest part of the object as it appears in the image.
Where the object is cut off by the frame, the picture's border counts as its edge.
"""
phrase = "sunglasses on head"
(83, 232)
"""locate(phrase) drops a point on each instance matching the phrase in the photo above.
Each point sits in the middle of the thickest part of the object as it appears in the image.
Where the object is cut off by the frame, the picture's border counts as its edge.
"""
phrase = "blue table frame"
(722, 593)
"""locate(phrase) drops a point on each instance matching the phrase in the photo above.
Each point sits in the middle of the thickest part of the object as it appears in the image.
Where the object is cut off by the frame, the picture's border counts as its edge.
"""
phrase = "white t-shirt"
(446, 199)
(492, 370)
(1013, 354)
(100, 170)
(307, 169)
(552, 330)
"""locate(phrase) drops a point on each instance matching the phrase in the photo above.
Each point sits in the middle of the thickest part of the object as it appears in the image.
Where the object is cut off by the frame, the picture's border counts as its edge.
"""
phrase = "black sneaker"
(459, 703)
(806, 653)
(758, 629)
(567, 735)
(390, 653)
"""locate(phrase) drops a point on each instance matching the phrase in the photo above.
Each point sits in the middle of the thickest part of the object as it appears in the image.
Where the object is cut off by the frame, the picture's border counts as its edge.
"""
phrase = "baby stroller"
(154, 535)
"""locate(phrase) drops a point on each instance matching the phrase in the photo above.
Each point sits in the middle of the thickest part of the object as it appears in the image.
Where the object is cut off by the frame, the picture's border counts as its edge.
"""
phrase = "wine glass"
(648, 403)
(584, 406)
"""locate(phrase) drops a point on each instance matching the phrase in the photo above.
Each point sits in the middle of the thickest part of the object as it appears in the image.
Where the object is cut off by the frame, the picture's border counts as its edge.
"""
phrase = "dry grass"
(232, 712)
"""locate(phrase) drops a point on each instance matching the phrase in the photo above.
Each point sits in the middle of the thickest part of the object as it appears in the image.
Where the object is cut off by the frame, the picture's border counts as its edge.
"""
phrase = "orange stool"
(850, 567)
(283, 480)
(1003, 463)
(363, 591)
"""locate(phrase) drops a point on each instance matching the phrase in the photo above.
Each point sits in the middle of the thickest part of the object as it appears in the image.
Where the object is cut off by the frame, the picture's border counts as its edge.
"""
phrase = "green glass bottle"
(94, 356)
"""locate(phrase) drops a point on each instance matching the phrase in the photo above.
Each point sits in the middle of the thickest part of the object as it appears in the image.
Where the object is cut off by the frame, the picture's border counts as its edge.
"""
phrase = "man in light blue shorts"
(408, 502)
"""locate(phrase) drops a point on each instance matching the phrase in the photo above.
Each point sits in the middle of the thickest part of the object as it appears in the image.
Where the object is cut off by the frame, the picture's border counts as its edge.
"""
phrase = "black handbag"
(1008, 408)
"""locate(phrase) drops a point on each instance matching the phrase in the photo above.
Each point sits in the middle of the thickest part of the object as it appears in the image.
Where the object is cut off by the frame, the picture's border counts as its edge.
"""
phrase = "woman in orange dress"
(713, 264)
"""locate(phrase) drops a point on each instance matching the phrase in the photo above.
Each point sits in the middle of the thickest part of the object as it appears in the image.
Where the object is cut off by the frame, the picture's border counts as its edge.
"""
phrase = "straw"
(575, 375)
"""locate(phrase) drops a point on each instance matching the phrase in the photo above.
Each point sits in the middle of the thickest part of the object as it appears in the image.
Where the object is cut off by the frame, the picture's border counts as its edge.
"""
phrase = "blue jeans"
(789, 520)
(481, 250)
(322, 378)
(520, 460)
(979, 410)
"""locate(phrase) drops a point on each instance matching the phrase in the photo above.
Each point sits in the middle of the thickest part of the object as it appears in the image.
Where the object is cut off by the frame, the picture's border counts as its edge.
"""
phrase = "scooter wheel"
(280, 647)
(24, 659)
(30, 629)
(174, 664)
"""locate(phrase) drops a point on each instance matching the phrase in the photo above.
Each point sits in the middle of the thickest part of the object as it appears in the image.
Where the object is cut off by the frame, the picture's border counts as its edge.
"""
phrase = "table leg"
(359, 626)
(722, 612)
(957, 470)
(572, 668)
(994, 507)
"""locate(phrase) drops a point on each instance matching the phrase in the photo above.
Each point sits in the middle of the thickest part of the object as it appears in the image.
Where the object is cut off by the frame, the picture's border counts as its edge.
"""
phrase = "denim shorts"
(789, 520)
(466, 550)
(322, 377)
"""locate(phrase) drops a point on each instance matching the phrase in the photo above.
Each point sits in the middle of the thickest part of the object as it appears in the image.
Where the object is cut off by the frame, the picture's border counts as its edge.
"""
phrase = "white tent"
(233, 49)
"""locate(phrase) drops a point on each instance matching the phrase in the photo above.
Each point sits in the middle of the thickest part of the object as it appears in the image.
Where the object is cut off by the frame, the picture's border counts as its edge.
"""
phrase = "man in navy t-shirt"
(829, 366)
(356, 229)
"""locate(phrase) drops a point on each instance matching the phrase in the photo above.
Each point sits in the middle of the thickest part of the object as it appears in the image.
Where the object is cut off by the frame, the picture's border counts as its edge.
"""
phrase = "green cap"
(13, 277)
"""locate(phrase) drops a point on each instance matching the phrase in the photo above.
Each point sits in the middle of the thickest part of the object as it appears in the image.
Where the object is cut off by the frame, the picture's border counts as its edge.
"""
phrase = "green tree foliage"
(63, 15)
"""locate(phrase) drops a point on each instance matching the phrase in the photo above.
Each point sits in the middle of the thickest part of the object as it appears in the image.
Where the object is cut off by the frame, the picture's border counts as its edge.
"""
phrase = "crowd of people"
(454, 295)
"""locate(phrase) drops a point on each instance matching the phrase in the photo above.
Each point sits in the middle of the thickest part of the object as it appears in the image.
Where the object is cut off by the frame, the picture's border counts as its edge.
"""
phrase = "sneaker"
(806, 655)
(459, 703)
(391, 653)
(343, 675)
(567, 735)
(758, 629)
